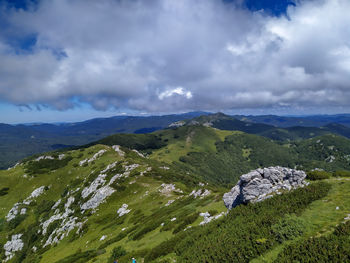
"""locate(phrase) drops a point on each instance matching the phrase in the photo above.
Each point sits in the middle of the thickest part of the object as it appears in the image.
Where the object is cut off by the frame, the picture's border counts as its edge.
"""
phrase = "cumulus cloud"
(175, 91)
(191, 54)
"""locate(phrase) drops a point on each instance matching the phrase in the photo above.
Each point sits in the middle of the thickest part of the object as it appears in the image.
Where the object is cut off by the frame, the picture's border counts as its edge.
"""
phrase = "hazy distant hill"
(19, 141)
(304, 121)
(226, 122)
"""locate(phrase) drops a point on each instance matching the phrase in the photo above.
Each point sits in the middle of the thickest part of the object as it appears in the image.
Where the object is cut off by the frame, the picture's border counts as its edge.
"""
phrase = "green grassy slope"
(220, 156)
(157, 188)
(137, 232)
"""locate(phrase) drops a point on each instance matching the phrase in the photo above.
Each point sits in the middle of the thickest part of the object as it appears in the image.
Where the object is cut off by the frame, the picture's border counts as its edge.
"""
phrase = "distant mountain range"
(20, 141)
(304, 121)
(158, 197)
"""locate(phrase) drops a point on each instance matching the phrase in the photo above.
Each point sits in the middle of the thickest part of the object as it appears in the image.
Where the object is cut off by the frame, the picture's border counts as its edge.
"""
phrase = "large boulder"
(261, 184)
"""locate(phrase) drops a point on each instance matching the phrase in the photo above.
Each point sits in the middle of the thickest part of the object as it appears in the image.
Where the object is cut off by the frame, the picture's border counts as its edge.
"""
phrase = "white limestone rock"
(99, 197)
(118, 150)
(99, 181)
(23, 211)
(207, 218)
(44, 158)
(56, 204)
(138, 153)
(93, 158)
(169, 202)
(167, 189)
(177, 124)
(15, 209)
(200, 193)
(123, 210)
(12, 246)
(262, 184)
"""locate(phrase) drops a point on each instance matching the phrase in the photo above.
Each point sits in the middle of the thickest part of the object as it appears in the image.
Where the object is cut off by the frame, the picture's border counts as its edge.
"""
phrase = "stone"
(138, 153)
(261, 184)
(93, 158)
(12, 246)
(99, 197)
(169, 202)
(200, 193)
(207, 218)
(167, 189)
(118, 150)
(123, 210)
(15, 209)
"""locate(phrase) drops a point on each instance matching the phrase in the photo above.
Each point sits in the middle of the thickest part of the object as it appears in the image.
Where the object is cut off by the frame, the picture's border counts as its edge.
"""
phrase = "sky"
(71, 60)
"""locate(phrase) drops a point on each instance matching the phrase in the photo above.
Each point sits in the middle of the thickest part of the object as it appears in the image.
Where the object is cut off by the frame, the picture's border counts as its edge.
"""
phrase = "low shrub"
(4, 191)
(82, 257)
(117, 252)
(330, 248)
(341, 173)
(318, 175)
(288, 228)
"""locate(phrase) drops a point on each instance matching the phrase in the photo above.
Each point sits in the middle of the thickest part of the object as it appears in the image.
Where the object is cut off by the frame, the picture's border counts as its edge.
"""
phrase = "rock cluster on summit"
(261, 184)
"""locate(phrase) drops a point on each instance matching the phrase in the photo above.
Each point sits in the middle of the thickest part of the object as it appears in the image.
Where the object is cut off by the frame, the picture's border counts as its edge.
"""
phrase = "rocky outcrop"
(261, 184)
(93, 158)
(12, 246)
(118, 150)
(200, 193)
(123, 210)
(15, 210)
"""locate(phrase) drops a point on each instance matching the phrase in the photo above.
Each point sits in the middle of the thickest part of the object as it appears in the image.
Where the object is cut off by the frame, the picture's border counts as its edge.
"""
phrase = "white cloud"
(175, 91)
(120, 53)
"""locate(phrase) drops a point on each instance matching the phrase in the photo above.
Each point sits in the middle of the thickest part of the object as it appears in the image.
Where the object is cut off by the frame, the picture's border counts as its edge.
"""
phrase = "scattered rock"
(138, 153)
(330, 159)
(177, 124)
(123, 210)
(93, 158)
(167, 189)
(12, 246)
(99, 197)
(118, 150)
(23, 211)
(200, 193)
(14, 210)
(44, 158)
(169, 202)
(207, 218)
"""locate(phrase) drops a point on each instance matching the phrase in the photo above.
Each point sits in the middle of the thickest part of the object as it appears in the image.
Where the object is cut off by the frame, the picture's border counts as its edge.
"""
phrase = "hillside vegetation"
(158, 197)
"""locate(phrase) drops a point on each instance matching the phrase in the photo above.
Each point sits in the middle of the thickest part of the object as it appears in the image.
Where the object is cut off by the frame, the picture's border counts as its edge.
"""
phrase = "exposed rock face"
(93, 158)
(12, 246)
(261, 184)
(118, 150)
(15, 209)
